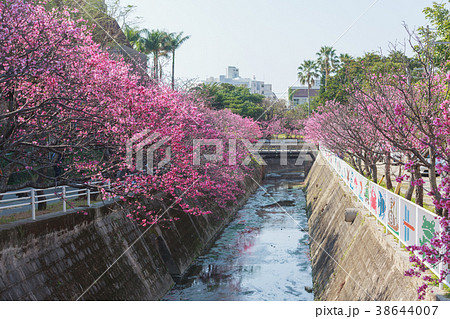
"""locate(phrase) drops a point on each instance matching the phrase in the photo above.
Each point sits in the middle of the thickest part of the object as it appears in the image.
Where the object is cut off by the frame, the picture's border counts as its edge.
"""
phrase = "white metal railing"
(407, 221)
(29, 198)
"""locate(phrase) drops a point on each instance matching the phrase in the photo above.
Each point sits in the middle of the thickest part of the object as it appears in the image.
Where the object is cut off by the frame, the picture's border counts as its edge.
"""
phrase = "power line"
(354, 22)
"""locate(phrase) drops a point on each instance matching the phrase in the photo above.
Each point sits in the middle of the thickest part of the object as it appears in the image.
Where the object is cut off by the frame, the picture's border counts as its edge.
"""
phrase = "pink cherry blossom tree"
(68, 107)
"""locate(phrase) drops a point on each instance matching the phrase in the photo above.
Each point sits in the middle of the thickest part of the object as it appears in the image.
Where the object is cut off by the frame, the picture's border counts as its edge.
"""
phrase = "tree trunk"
(366, 169)
(419, 188)
(39, 181)
(173, 70)
(433, 183)
(3, 182)
(387, 169)
(360, 169)
(309, 102)
(155, 65)
(410, 190)
(352, 161)
(41, 206)
(374, 173)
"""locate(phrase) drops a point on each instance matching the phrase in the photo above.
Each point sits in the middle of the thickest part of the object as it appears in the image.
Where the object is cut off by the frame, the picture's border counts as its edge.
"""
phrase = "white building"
(233, 77)
(299, 94)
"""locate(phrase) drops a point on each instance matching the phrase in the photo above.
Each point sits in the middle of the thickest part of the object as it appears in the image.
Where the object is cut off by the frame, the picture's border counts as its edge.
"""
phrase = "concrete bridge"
(288, 147)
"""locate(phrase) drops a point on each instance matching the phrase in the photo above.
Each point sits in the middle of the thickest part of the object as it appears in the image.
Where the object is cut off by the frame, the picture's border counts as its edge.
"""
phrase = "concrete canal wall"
(60, 255)
(351, 261)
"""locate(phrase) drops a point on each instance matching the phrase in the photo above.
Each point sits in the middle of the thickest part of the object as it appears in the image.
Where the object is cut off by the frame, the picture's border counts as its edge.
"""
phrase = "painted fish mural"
(381, 206)
(352, 186)
(361, 191)
(366, 193)
(373, 199)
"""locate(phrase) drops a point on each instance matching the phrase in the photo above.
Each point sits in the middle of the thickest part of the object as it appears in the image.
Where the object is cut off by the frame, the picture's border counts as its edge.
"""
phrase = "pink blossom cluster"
(62, 96)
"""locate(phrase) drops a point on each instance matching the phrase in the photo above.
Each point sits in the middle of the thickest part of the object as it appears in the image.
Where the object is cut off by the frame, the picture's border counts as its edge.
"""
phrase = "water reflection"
(262, 255)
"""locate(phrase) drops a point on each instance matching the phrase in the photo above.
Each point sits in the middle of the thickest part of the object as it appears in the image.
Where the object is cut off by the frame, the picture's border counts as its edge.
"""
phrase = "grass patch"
(7, 219)
(431, 208)
(383, 184)
(58, 207)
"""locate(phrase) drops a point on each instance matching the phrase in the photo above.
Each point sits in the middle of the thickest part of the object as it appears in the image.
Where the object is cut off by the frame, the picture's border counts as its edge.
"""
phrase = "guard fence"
(32, 197)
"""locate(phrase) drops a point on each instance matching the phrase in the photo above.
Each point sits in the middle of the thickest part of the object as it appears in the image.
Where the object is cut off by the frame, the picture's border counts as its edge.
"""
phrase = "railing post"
(33, 204)
(441, 264)
(386, 212)
(109, 189)
(416, 239)
(88, 196)
(399, 216)
(64, 199)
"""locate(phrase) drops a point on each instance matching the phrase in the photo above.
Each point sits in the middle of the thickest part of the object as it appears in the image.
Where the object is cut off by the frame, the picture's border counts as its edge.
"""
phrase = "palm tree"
(133, 36)
(175, 41)
(154, 42)
(327, 60)
(307, 73)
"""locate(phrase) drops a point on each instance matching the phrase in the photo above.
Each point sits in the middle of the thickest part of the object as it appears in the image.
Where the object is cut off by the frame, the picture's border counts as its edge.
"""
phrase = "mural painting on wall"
(381, 205)
(366, 193)
(361, 190)
(408, 229)
(373, 198)
(428, 227)
(392, 217)
(428, 230)
(352, 185)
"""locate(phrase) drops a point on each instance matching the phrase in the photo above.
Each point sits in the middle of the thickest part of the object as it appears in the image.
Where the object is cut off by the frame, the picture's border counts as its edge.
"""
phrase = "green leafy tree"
(438, 37)
(236, 98)
(355, 69)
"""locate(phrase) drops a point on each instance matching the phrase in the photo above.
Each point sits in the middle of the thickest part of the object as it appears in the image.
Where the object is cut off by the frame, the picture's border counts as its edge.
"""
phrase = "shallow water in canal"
(263, 254)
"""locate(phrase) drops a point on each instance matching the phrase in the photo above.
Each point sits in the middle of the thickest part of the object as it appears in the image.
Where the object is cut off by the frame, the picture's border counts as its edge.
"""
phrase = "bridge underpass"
(287, 155)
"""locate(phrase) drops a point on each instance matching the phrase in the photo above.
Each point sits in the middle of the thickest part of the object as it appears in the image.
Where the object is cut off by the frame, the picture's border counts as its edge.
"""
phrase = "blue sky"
(269, 39)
